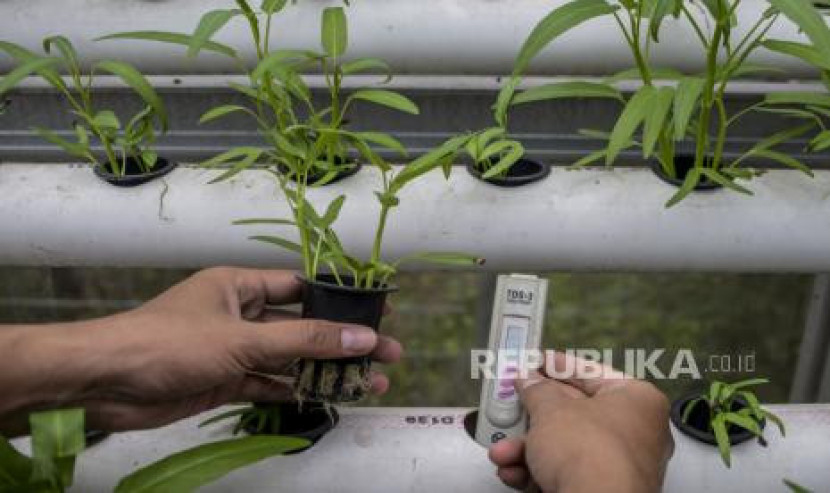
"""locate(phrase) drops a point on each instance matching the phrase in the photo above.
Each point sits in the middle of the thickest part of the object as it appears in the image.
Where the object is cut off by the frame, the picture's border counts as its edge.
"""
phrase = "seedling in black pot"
(128, 156)
(725, 415)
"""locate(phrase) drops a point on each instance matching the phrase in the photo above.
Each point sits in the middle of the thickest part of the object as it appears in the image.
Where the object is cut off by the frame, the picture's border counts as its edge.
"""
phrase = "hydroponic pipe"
(54, 214)
(463, 37)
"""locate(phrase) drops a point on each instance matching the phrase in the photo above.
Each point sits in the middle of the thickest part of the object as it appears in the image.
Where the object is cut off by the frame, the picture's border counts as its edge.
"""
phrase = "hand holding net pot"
(347, 379)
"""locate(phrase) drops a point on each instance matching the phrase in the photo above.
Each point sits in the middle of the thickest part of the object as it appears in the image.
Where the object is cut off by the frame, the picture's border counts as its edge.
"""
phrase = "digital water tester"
(515, 326)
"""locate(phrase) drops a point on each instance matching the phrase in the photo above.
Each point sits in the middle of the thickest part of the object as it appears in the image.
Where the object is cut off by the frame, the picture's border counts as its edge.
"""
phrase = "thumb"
(306, 338)
(540, 395)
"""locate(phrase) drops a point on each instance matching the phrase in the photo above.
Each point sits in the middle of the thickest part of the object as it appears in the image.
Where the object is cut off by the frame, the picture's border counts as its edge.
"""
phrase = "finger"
(261, 344)
(258, 388)
(380, 383)
(509, 452)
(388, 350)
(590, 377)
(268, 315)
(541, 395)
(516, 477)
(257, 288)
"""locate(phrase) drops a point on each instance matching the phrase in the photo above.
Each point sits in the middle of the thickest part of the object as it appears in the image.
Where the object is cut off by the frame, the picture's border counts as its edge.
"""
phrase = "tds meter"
(515, 327)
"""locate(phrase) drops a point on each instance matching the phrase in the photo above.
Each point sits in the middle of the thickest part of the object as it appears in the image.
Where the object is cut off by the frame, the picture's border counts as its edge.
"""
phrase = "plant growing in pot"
(498, 159)
(667, 115)
(725, 415)
(279, 96)
(128, 155)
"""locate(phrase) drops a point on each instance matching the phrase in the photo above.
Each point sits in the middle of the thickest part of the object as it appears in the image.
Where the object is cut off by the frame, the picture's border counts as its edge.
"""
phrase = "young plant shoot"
(492, 152)
(693, 107)
(729, 407)
(127, 147)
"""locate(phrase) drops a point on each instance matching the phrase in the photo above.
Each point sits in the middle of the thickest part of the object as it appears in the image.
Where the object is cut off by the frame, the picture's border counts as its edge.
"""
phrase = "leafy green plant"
(732, 405)
(57, 438)
(656, 117)
(121, 142)
(188, 470)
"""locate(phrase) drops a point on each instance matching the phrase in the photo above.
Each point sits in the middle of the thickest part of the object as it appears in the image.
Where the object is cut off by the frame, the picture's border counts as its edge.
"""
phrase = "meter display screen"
(513, 340)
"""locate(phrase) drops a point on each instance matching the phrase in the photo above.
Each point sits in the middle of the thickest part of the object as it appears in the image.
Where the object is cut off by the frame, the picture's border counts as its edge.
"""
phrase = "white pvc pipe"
(462, 37)
(428, 450)
(55, 214)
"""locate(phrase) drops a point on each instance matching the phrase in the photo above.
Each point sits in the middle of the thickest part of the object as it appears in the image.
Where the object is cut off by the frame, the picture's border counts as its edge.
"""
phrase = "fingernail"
(358, 339)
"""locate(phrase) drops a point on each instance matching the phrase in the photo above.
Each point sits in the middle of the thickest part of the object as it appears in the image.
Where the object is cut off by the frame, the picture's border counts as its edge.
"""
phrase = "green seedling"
(658, 116)
(725, 404)
(94, 125)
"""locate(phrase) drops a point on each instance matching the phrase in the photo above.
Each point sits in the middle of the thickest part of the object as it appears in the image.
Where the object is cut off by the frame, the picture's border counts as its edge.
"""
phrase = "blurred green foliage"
(439, 319)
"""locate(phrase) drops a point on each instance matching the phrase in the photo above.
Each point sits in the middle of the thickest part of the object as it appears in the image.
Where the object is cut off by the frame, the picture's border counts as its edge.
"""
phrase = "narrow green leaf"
(807, 98)
(798, 50)
(566, 90)
(504, 100)
(383, 140)
(281, 63)
(271, 7)
(685, 101)
(65, 47)
(795, 487)
(657, 118)
(366, 65)
(689, 184)
(71, 148)
(588, 159)
(690, 406)
(15, 468)
(139, 84)
(446, 258)
(223, 416)
(188, 470)
(808, 19)
(170, 38)
(333, 211)
(743, 422)
(57, 438)
(220, 111)
(785, 159)
(722, 438)
(633, 115)
(25, 70)
(106, 119)
(386, 98)
(750, 382)
(718, 178)
(778, 422)
(248, 222)
(335, 31)
(209, 24)
(280, 242)
(657, 73)
(821, 141)
(507, 160)
(561, 20)
(249, 158)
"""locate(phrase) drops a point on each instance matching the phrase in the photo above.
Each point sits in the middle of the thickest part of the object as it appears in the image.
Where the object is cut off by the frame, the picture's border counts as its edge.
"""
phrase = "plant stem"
(375, 259)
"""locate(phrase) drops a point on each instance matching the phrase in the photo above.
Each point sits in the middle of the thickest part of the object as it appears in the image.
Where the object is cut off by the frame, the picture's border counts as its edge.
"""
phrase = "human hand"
(216, 338)
(607, 433)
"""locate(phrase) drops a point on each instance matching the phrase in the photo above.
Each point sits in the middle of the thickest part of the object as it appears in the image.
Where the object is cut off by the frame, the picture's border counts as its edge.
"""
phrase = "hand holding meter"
(515, 327)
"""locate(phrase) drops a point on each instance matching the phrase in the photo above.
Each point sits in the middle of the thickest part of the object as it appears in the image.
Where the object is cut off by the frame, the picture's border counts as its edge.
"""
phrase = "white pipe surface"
(54, 214)
(462, 37)
(427, 450)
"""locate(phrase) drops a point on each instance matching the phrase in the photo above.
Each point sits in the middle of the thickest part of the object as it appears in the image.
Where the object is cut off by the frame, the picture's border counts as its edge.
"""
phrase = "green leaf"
(722, 438)
(333, 211)
(809, 20)
(561, 20)
(71, 148)
(383, 140)
(633, 115)
(23, 56)
(65, 47)
(271, 7)
(247, 157)
(220, 111)
(280, 63)
(188, 470)
(778, 422)
(658, 11)
(784, 159)
(366, 64)
(24, 70)
(743, 422)
(562, 90)
(634, 74)
(821, 141)
(280, 242)
(386, 98)
(807, 98)
(773, 140)
(106, 119)
(509, 159)
(223, 416)
(15, 468)
(799, 50)
(750, 382)
(504, 100)
(685, 100)
(335, 31)
(209, 24)
(139, 84)
(795, 487)
(656, 119)
(171, 38)
(689, 184)
(589, 159)
(718, 178)
(690, 406)
(433, 159)
(57, 438)
(248, 222)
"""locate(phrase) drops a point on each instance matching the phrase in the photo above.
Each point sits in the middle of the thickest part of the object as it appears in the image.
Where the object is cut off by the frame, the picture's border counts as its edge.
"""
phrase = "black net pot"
(523, 172)
(347, 379)
(698, 426)
(683, 163)
(133, 174)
